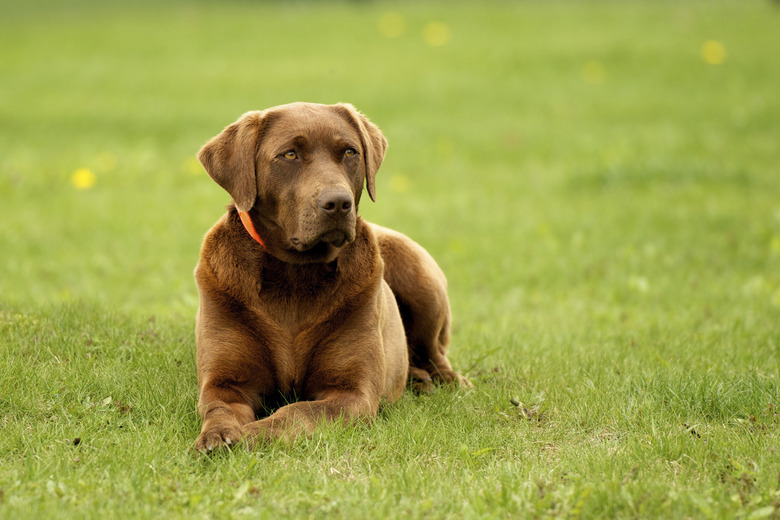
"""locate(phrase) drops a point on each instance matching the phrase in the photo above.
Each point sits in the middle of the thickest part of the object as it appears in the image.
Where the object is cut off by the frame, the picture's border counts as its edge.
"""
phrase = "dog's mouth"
(334, 237)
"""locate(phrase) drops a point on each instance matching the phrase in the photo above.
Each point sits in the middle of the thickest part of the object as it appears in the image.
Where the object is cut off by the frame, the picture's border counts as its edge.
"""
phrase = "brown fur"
(311, 319)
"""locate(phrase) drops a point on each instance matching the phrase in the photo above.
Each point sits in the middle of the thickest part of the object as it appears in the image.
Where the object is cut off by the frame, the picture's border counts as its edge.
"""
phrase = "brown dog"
(299, 297)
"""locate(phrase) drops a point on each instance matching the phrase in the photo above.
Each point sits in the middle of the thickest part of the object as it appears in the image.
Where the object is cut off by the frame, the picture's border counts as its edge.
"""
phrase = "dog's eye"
(350, 152)
(290, 154)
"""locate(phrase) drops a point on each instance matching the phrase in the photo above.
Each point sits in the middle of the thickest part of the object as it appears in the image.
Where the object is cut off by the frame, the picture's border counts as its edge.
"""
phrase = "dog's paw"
(424, 382)
(420, 381)
(463, 381)
(450, 377)
(217, 437)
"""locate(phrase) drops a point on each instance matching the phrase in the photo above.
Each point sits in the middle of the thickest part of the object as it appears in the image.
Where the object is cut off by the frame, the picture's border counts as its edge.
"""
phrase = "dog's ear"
(230, 157)
(374, 146)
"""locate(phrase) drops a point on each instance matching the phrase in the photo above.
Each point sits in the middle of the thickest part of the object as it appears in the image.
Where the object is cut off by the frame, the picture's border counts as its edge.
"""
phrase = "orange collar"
(246, 220)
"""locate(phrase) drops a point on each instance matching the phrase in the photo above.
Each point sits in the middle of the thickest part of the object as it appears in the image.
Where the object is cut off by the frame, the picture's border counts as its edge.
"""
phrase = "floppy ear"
(229, 158)
(374, 146)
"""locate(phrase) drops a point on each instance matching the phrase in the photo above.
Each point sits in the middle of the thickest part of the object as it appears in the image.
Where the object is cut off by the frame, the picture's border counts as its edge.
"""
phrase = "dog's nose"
(335, 202)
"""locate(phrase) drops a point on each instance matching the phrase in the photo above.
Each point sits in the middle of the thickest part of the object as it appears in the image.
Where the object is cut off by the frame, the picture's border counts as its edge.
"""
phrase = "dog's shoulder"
(229, 262)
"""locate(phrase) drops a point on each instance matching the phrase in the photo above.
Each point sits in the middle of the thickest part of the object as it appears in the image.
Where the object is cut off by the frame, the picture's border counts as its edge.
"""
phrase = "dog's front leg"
(301, 418)
(224, 411)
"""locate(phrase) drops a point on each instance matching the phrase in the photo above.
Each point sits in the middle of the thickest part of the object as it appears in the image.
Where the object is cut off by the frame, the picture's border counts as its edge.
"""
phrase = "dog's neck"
(246, 220)
(266, 234)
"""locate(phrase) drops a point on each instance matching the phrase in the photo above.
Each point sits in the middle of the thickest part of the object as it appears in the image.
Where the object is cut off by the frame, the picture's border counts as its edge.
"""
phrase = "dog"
(307, 312)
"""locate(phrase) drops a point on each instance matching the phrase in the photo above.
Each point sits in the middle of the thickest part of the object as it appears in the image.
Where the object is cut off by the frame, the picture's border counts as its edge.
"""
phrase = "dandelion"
(399, 183)
(774, 245)
(192, 166)
(444, 148)
(593, 72)
(82, 179)
(436, 33)
(713, 52)
(391, 25)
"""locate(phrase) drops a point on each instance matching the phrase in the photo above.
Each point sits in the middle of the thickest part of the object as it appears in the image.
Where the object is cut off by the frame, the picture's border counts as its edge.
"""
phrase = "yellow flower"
(391, 25)
(444, 147)
(594, 73)
(456, 246)
(713, 52)
(82, 179)
(399, 183)
(774, 245)
(437, 33)
(192, 166)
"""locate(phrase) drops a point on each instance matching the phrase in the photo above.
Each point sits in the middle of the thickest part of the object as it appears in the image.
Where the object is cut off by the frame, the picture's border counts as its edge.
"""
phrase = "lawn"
(600, 181)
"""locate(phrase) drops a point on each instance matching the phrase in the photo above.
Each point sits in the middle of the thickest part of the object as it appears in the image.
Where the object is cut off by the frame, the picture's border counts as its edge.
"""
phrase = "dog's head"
(299, 170)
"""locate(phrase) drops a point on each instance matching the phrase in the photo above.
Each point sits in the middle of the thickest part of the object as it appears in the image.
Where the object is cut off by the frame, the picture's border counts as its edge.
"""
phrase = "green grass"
(605, 203)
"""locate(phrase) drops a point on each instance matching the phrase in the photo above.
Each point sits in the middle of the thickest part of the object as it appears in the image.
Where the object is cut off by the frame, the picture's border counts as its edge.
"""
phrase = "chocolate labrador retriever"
(307, 312)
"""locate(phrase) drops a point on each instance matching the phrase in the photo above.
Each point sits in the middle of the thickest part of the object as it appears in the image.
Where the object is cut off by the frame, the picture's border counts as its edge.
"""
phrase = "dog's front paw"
(217, 436)
(463, 381)
(450, 377)
(420, 381)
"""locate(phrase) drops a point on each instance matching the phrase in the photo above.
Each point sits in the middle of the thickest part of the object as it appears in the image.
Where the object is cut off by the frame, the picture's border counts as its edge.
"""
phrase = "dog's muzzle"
(333, 223)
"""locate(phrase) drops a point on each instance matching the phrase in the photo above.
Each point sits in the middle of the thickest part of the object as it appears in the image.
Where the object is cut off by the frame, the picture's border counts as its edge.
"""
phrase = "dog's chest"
(296, 297)
(293, 313)
(287, 316)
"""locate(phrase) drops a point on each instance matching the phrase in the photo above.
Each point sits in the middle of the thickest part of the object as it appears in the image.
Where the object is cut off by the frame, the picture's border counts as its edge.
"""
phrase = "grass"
(603, 200)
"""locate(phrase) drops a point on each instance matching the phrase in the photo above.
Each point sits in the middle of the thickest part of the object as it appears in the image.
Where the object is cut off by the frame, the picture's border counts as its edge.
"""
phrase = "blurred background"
(572, 165)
